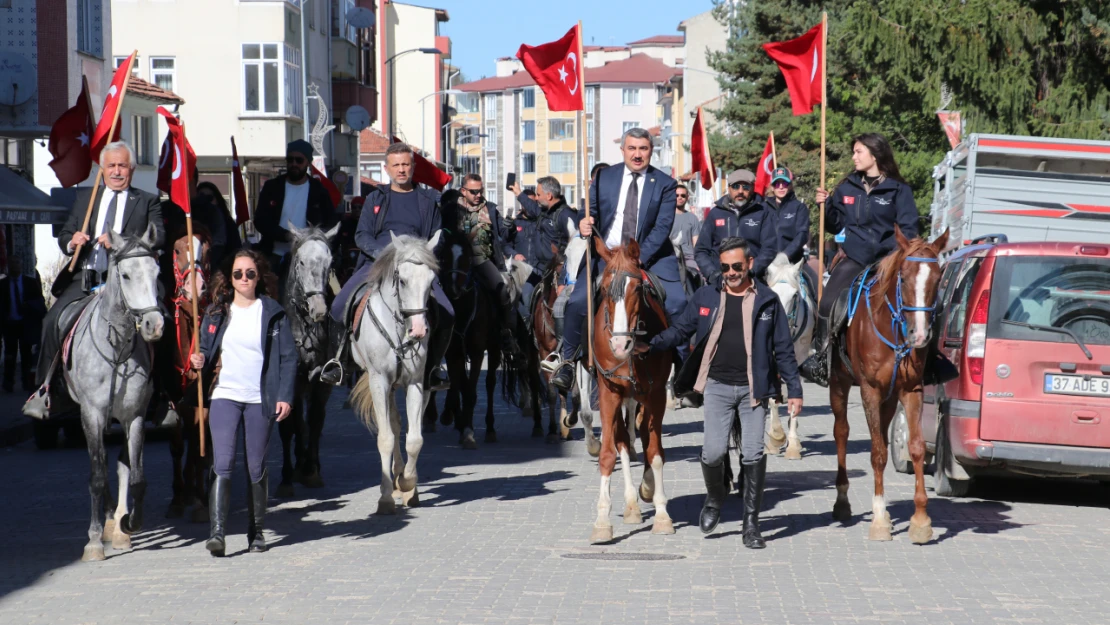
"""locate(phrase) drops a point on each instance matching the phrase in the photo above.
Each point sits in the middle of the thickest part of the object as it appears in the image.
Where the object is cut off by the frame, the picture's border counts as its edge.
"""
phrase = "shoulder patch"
(211, 328)
(703, 311)
(720, 222)
(520, 228)
(849, 199)
(377, 208)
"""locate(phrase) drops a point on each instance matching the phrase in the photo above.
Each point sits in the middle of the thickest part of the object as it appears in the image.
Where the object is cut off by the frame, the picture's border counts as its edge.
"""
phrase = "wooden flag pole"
(824, 100)
(774, 156)
(200, 412)
(100, 171)
(584, 155)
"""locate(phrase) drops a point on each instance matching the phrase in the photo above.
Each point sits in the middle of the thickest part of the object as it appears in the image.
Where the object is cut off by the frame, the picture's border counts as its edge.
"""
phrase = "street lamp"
(421, 100)
(389, 63)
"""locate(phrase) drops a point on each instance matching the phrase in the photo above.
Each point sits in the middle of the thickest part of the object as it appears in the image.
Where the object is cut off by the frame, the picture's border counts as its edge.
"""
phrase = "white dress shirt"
(613, 239)
(101, 214)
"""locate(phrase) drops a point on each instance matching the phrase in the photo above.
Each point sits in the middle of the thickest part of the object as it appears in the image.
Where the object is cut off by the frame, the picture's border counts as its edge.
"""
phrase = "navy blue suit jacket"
(656, 216)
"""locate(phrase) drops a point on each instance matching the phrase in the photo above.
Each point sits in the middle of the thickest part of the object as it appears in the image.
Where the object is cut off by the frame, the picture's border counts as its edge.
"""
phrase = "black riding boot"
(219, 500)
(755, 476)
(438, 342)
(335, 370)
(939, 369)
(256, 503)
(716, 491)
(816, 367)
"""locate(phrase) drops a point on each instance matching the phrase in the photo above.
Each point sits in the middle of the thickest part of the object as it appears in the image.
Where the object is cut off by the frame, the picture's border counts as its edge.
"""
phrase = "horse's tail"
(362, 400)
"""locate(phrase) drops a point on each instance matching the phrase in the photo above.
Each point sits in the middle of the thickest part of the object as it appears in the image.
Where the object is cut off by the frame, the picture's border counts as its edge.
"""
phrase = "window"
(560, 129)
(569, 194)
(590, 132)
(561, 162)
(491, 174)
(528, 98)
(120, 60)
(266, 68)
(1067, 292)
(90, 17)
(142, 139)
(373, 171)
(956, 315)
(528, 130)
(626, 126)
(491, 106)
(589, 100)
(630, 97)
(339, 26)
(491, 195)
(528, 163)
(466, 103)
(163, 72)
(491, 137)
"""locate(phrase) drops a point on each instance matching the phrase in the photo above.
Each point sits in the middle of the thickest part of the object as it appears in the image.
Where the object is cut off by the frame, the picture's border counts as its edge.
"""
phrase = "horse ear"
(940, 243)
(602, 250)
(798, 265)
(293, 229)
(433, 242)
(150, 237)
(392, 238)
(900, 238)
(117, 241)
(330, 234)
(632, 250)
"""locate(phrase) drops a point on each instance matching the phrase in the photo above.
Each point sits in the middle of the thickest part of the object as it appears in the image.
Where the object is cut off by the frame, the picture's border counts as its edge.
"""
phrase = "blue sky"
(483, 30)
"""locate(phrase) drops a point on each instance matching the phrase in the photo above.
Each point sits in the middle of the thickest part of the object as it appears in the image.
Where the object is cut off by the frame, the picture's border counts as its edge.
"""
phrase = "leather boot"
(219, 500)
(715, 493)
(939, 369)
(755, 476)
(434, 377)
(256, 504)
(816, 367)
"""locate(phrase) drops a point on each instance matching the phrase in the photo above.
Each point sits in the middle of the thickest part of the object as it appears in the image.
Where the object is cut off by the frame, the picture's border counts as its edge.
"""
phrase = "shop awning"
(23, 203)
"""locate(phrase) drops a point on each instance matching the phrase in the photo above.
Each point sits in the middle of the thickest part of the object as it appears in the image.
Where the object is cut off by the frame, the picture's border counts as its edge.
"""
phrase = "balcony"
(347, 93)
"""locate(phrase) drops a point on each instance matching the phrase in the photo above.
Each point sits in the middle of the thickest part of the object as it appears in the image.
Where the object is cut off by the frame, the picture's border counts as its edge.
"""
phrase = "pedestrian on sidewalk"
(22, 308)
(743, 346)
(246, 349)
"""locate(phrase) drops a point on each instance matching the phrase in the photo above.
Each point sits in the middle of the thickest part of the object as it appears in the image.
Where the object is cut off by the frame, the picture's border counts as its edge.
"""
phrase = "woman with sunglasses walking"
(247, 352)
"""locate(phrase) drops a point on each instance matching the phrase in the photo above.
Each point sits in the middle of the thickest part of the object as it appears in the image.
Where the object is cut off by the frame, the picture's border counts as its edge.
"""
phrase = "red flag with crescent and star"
(800, 62)
(699, 153)
(69, 142)
(177, 163)
(766, 166)
(108, 113)
(558, 71)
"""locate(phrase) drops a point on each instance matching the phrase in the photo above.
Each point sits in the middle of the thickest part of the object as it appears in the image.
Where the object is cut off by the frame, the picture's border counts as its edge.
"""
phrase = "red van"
(1028, 325)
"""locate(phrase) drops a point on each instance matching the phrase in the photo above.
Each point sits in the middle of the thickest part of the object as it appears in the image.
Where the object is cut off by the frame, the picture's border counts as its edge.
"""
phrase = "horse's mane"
(403, 249)
(891, 266)
(621, 263)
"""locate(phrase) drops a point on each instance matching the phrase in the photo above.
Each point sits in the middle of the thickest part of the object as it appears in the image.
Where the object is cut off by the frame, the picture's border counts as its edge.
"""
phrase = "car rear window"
(956, 314)
(1053, 291)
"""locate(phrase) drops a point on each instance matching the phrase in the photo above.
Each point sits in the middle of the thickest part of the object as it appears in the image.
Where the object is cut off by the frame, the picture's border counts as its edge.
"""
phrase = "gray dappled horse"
(306, 305)
(110, 378)
(391, 348)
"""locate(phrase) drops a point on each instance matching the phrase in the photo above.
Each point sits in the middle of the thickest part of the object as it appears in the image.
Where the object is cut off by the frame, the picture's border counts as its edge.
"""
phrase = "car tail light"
(977, 337)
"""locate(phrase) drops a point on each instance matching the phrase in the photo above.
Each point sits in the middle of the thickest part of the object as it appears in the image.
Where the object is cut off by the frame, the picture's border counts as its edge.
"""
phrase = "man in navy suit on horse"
(629, 201)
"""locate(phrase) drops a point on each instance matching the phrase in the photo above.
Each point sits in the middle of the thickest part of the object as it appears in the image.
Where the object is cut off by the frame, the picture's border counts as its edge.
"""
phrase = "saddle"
(352, 312)
(67, 322)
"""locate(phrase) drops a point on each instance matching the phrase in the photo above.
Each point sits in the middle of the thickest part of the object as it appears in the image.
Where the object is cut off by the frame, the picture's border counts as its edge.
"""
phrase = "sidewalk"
(14, 427)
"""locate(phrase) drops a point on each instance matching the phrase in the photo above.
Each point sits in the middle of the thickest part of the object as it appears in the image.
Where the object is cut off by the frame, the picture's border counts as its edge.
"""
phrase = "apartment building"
(699, 86)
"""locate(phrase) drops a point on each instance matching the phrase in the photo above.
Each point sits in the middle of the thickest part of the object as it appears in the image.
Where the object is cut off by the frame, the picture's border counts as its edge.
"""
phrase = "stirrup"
(37, 405)
(552, 363)
(332, 372)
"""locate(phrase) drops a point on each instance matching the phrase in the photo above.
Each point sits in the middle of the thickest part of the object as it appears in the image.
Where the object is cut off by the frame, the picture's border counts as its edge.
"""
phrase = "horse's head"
(575, 252)
(919, 274)
(133, 277)
(414, 269)
(517, 274)
(784, 279)
(309, 269)
(622, 284)
(183, 270)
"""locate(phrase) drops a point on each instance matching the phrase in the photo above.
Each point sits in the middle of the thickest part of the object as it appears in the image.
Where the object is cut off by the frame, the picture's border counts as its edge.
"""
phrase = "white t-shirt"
(294, 209)
(241, 350)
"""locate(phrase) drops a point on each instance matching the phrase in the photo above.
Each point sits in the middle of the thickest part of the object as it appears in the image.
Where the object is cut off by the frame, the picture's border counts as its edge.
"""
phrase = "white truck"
(1027, 188)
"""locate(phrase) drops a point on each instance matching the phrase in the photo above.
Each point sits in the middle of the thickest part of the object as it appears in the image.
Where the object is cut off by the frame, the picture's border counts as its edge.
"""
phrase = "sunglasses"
(737, 267)
(473, 191)
(238, 274)
(780, 184)
(296, 160)
(740, 185)
(681, 195)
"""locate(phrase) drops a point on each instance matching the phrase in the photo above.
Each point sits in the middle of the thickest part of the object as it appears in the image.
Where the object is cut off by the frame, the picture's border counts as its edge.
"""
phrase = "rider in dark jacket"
(792, 219)
(741, 213)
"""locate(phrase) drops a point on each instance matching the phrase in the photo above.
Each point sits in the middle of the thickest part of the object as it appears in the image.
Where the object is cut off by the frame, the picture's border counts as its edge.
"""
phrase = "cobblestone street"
(501, 537)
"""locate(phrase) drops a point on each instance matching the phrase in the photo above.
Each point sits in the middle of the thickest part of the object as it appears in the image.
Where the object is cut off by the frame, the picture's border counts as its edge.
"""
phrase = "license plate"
(1076, 385)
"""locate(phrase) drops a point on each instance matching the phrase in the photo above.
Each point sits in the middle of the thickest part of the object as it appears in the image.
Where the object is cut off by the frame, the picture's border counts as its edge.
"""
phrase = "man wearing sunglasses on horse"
(743, 346)
(740, 213)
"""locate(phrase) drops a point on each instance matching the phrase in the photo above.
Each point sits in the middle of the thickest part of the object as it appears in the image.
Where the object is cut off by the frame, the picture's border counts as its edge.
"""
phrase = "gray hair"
(115, 146)
(636, 133)
(550, 185)
(400, 148)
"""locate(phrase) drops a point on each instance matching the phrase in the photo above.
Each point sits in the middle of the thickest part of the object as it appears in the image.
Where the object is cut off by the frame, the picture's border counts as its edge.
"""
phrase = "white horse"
(785, 279)
(575, 255)
(392, 348)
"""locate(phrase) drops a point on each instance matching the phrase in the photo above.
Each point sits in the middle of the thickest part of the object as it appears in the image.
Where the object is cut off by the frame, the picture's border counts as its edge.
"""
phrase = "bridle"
(798, 315)
(136, 250)
(635, 329)
(402, 348)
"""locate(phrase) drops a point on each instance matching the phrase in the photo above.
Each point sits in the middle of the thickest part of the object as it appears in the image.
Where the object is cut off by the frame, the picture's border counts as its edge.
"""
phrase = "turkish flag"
(558, 71)
(178, 160)
(425, 172)
(800, 61)
(69, 142)
(242, 209)
(953, 127)
(699, 152)
(766, 166)
(108, 113)
(333, 191)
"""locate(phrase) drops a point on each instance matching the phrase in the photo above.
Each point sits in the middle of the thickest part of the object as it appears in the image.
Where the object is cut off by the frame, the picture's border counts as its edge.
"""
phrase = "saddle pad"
(67, 324)
(362, 296)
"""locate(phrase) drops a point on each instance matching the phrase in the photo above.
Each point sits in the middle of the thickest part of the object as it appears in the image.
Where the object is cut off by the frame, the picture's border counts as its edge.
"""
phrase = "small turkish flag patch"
(848, 199)
(377, 207)
(211, 328)
(703, 311)
(520, 228)
(720, 222)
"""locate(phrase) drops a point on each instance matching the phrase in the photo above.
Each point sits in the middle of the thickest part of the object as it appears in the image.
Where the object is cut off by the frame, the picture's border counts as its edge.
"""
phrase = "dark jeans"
(840, 279)
(725, 403)
(17, 341)
(226, 417)
(51, 342)
(445, 313)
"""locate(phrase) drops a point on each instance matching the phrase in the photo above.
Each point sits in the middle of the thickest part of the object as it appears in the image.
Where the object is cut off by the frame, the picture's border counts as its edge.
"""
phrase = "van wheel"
(900, 442)
(942, 484)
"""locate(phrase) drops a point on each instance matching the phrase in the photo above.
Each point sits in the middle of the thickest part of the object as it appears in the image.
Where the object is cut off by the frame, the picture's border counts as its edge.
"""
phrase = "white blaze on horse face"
(413, 288)
(920, 322)
(621, 344)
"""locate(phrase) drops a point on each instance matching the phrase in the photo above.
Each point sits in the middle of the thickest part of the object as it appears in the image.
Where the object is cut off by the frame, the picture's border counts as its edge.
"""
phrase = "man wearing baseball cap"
(792, 218)
(740, 213)
(294, 197)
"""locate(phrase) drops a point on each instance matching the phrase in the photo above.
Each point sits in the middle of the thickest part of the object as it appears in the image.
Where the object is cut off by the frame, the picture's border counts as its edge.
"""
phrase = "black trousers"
(51, 342)
(840, 279)
(16, 342)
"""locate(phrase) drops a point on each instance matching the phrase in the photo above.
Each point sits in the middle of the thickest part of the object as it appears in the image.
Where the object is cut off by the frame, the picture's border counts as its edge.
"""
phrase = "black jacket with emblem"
(370, 235)
(753, 221)
(869, 218)
(792, 225)
(271, 200)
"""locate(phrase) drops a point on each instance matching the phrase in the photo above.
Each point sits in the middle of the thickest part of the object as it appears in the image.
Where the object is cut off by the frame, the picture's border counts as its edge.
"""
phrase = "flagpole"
(100, 170)
(586, 196)
(774, 157)
(824, 101)
(199, 413)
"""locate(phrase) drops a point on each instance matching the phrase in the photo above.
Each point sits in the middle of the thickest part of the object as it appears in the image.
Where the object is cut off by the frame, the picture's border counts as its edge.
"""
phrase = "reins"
(402, 349)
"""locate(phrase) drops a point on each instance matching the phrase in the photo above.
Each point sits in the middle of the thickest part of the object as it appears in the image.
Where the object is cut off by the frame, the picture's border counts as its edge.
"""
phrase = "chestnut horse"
(885, 347)
(636, 384)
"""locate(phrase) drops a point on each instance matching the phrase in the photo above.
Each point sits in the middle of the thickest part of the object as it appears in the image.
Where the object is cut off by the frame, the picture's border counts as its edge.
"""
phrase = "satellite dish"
(357, 117)
(18, 79)
(360, 17)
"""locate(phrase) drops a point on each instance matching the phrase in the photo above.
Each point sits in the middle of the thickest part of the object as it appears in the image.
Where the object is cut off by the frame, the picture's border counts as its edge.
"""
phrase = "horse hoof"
(662, 526)
(921, 534)
(601, 534)
(175, 511)
(199, 514)
(593, 447)
(285, 491)
(468, 443)
(793, 453)
(879, 532)
(553, 439)
(93, 553)
(410, 498)
(632, 515)
(108, 531)
(387, 507)
(537, 431)
(131, 523)
(842, 511)
(312, 481)
(768, 450)
(121, 542)
(564, 433)
(491, 436)
(570, 420)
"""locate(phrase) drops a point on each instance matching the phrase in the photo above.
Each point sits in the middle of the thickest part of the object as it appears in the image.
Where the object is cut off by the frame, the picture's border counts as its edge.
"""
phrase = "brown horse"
(179, 386)
(885, 348)
(635, 384)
